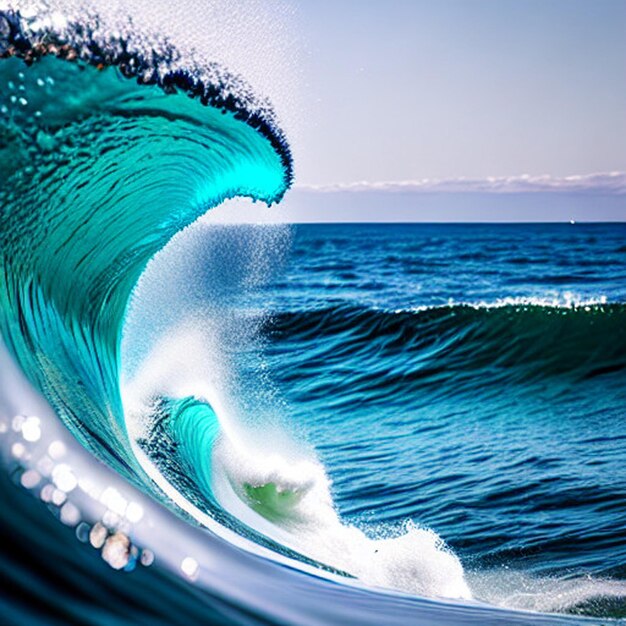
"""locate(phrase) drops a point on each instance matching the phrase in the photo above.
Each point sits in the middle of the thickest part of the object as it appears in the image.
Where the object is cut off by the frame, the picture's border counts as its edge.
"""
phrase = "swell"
(461, 345)
(110, 145)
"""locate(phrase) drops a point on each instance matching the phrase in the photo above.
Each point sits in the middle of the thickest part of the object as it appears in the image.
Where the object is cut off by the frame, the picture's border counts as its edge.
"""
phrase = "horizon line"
(611, 183)
(206, 220)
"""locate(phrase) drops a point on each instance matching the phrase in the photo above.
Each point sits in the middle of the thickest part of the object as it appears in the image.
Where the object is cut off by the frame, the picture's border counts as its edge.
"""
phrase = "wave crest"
(447, 346)
(108, 157)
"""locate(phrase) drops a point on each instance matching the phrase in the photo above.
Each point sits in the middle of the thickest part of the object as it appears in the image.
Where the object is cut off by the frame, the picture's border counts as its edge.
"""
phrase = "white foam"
(417, 561)
(173, 348)
(552, 300)
(512, 589)
(220, 31)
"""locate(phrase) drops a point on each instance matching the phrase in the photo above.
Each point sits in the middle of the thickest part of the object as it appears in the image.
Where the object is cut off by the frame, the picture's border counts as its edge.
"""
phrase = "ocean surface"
(466, 378)
(314, 424)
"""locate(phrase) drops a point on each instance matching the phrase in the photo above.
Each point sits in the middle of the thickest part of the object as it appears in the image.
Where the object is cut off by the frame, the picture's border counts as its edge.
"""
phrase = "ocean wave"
(112, 141)
(146, 57)
(267, 487)
(514, 340)
(113, 144)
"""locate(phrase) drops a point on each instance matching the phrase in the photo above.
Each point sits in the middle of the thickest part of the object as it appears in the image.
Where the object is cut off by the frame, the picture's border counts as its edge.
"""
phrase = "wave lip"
(149, 58)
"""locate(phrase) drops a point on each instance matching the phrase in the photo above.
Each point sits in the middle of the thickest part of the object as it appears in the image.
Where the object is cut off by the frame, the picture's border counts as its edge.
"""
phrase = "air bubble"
(82, 532)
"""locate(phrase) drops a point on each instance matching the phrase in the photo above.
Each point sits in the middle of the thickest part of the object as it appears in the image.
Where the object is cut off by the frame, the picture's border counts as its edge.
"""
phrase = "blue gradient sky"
(484, 110)
(411, 89)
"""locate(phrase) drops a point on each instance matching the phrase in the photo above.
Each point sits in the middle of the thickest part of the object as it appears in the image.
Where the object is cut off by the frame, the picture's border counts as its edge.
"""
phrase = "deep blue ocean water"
(469, 377)
(464, 378)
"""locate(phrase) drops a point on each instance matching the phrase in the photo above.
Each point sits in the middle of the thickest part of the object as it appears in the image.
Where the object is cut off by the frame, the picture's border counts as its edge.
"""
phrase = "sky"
(412, 89)
(442, 90)
(427, 110)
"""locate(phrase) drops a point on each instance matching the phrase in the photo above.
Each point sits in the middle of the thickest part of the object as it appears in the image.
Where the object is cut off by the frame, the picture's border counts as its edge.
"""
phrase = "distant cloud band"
(609, 183)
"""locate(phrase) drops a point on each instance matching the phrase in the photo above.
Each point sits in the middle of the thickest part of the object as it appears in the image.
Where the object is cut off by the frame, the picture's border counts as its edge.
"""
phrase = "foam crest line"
(109, 145)
(536, 339)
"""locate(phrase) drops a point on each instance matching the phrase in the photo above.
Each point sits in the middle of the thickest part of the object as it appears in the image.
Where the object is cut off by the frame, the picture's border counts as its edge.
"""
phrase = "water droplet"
(70, 515)
(46, 493)
(82, 532)
(189, 567)
(30, 479)
(114, 501)
(17, 423)
(56, 450)
(64, 478)
(134, 512)
(98, 535)
(31, 429)
(58, 497)
(18, 450)
(116, 550)
(147, 558)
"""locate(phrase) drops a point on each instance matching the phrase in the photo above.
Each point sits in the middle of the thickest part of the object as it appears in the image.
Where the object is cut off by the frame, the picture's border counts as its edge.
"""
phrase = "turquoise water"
(360, 416)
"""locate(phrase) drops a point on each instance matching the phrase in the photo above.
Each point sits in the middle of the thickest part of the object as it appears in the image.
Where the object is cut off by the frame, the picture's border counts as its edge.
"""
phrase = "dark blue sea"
(471, 378)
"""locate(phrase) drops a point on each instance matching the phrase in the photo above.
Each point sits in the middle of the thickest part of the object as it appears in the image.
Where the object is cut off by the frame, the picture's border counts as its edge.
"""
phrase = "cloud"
(606, 183)
(599, 197)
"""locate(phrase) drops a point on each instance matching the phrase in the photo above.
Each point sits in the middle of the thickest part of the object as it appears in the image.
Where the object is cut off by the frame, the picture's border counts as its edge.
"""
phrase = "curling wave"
(110, 145)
